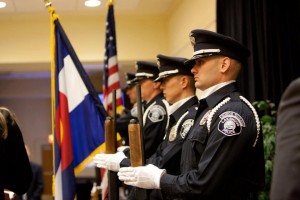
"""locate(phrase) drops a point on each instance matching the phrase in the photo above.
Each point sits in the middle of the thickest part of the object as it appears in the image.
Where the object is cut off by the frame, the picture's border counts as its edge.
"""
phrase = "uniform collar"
(157, 97)
(184, 107)
(175, 106)
(214, 88)
(219, 94)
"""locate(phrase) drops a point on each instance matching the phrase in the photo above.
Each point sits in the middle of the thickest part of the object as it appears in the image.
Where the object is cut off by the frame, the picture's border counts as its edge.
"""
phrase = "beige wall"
(26, 39)
(189, 15)
(25, 46)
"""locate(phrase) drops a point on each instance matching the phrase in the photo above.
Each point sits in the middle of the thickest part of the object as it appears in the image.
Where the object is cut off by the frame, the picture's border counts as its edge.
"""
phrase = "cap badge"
(193, 41)
(158, 63)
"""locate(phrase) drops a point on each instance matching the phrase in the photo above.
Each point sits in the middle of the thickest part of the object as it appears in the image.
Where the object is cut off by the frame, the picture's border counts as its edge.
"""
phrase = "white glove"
(109, 161)
(147, 177)
(122, 148)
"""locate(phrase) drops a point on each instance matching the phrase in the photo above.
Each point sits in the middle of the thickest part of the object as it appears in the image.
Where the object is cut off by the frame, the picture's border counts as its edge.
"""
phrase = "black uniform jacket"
(224, 162)
(168, 154)
(155, 119)
(122, 125)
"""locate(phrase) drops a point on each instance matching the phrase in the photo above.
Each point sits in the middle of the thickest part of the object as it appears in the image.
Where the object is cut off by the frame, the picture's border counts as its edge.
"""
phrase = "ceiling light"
(2, 4)
(92, 3)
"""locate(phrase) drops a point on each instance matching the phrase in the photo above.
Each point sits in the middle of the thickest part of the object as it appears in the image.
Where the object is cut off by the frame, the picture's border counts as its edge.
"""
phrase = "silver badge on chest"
(172, 134)
(204, 118)
(186, 126)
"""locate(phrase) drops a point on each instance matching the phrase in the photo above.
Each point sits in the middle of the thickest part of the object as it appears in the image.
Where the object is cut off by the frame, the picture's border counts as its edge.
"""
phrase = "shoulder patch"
(134, 112)
(231, 123)
(186, 126)
(156, 113)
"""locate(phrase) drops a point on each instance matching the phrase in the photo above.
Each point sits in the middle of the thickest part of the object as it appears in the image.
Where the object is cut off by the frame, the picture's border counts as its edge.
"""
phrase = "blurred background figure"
(130, 88)
(37, 184)
(155, 116)
(15, 170)
(123, 121)
(286, 171)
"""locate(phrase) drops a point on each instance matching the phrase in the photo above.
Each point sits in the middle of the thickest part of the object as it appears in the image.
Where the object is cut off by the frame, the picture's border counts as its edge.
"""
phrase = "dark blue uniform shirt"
(222, 155)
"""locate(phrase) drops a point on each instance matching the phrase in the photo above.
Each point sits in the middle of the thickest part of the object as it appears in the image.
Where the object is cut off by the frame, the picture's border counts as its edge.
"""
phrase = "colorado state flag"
(78, 112)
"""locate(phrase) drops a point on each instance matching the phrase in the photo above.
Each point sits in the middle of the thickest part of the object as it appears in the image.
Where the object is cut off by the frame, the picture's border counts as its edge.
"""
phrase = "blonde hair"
(6, 118)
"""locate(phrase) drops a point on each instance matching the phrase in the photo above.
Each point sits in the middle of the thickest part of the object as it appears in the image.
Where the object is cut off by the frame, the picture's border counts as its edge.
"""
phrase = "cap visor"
(158, 79)
(192, 61)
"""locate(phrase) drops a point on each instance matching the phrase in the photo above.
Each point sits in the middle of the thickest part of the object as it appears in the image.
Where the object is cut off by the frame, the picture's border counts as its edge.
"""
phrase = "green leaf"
(268, 125)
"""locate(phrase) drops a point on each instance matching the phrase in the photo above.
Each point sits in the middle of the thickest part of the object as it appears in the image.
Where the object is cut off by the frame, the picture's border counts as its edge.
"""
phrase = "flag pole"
(53, 17)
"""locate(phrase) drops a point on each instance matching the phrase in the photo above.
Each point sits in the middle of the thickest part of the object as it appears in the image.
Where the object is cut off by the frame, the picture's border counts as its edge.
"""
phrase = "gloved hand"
(109, 161)
(122, 148)
(147, 177)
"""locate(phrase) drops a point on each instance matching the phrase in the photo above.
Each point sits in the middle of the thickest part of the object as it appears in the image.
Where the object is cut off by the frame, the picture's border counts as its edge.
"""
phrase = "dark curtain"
(271, 30)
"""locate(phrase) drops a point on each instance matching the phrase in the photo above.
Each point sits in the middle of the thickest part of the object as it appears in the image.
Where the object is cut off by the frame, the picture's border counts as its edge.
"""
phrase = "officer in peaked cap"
(146, 70)
(130, 89)
(129, 79)
(155, 116)
(222, 153)
(178, 86)
(172, 66)
(127, 115)
(207, 43)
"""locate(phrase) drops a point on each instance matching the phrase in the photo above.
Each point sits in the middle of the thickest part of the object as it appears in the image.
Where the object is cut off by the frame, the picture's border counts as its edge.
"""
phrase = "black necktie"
(202, 106)
(171, 121)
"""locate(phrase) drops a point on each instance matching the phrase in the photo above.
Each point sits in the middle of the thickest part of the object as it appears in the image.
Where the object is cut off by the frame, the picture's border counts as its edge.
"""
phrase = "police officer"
(155, 116)
(178, 87)
(130, 89)
(123, 121)
(222, 155)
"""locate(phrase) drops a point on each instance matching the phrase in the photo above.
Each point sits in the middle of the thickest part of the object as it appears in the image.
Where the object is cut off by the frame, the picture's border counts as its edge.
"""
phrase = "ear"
(184, 81)
(156, 85)
(225, 66)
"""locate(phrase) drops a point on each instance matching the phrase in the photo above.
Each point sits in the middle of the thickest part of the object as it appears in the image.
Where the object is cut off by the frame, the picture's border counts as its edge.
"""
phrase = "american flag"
(111, 79)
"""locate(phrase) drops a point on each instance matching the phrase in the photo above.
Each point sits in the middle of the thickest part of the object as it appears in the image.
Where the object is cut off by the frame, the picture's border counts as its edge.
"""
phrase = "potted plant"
(267, 113)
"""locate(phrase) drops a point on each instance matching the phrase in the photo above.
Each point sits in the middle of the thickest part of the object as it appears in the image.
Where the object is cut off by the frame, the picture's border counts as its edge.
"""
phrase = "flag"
(111, 79)
(78, 114)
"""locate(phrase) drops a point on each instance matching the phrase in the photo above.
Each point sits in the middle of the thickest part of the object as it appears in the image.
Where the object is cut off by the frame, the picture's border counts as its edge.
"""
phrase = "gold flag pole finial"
(109, 2)
(47, 3)
(51, 10)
